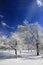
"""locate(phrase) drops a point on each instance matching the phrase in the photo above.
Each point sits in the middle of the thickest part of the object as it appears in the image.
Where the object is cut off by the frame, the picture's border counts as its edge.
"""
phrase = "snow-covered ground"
(21, 62)
(25, 58)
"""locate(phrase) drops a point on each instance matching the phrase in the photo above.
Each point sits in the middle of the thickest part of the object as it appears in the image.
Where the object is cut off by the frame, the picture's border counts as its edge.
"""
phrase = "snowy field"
(21, 62)
(25, 58)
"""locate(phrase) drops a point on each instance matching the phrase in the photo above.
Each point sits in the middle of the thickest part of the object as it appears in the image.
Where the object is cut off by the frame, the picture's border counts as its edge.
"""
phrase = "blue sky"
(16, 11)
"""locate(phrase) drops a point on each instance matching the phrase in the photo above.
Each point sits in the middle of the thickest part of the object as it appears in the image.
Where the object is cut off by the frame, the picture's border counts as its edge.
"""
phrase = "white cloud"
(39, 3)
(1, 16)
(25, 22)
(4, 24)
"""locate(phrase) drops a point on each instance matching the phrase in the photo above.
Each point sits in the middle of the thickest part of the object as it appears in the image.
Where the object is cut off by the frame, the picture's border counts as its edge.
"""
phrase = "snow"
(21, 62)
(7, 57)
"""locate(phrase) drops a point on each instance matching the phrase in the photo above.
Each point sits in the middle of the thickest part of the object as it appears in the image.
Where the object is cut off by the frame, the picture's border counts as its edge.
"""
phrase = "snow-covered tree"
(15, 42)
(4, 42)
(30, 33)
(35, 30)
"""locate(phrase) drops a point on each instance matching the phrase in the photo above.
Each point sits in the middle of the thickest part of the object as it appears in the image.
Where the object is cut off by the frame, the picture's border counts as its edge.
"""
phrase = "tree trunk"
(20, 51)
(16, 52)
(37, 47)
